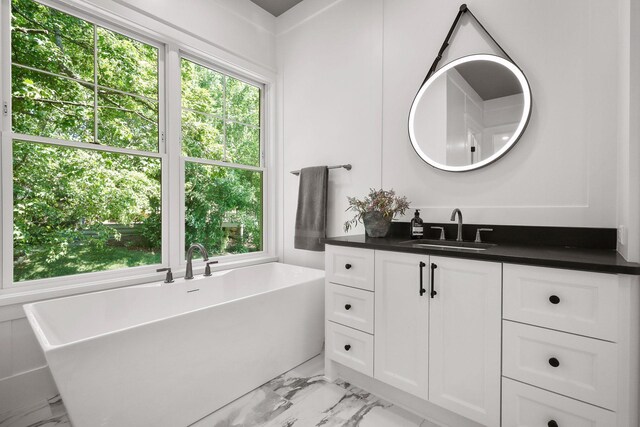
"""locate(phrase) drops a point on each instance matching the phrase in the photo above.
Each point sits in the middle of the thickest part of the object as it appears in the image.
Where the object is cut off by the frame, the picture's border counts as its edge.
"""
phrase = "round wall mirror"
(469, 113)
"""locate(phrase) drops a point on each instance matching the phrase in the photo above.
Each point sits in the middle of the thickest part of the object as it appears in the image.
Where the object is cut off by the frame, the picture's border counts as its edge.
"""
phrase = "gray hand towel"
(311, 217)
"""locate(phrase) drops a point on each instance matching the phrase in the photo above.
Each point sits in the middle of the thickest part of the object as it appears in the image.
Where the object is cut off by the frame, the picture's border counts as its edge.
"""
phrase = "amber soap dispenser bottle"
(417, 229)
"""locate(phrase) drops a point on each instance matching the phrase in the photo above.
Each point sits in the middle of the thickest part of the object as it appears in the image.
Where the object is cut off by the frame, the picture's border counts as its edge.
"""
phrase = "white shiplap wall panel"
(27, 354)
(5, 349)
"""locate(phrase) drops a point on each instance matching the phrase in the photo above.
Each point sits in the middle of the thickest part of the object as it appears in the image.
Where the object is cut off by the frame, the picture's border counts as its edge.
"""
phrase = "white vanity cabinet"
(440, 340)
(443, 347)
(487, 343)
(349, 307)
(570, 342)
(464, 338)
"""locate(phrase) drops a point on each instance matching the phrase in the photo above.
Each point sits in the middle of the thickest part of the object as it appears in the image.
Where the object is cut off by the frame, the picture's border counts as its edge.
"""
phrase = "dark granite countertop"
(573, 258)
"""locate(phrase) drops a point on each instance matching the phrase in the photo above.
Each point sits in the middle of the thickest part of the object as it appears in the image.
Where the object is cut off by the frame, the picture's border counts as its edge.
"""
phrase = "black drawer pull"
(347, 306)
(347, 266)
(554, 362)
(421, 289)
(552, 423)
(554, 299)
(347, 347)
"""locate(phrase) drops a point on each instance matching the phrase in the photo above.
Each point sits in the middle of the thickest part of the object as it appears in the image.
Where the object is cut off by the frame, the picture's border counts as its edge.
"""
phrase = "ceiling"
(276, 7)
(490, 80)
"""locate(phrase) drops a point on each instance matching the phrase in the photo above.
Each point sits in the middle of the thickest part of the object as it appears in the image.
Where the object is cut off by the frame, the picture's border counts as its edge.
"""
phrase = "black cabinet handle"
(554, 299)
(347, 347)
(433, 269)
(347, 266)
(554, 362)
(347, 306)
(552, 423)
(422, 290)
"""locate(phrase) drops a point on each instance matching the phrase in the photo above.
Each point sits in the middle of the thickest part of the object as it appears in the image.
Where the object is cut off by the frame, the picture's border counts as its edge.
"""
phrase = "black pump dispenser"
(417, 229)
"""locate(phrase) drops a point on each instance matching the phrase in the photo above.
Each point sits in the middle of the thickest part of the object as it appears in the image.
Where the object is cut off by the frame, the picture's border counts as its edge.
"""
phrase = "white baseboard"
(26, 389)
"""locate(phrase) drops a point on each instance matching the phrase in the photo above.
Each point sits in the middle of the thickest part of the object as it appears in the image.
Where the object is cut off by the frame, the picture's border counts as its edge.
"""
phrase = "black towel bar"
(347, 167)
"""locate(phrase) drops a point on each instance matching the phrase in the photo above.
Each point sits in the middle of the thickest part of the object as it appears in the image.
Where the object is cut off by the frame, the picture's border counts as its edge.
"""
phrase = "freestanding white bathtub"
(169, 354)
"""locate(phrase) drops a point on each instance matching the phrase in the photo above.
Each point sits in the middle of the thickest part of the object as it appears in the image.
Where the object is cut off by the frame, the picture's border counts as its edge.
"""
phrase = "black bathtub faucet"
(189, 273)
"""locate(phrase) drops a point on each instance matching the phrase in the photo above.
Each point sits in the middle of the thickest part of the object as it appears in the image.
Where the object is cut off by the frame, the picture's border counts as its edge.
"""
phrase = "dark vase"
(375, 224)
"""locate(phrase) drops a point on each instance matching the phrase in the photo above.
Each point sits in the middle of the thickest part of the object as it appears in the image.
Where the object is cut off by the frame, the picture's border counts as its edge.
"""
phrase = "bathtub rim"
(31, 309)
(83, 283)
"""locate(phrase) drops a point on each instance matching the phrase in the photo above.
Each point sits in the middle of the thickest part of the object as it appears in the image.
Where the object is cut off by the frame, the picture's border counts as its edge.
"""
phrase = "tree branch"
(48, 30)
(121, 108)
(53, 101)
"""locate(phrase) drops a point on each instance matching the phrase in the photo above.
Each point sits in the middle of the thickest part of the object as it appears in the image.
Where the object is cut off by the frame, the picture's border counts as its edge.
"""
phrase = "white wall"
(25, 378)
(561, 173)
(629, 129)
(330, 69)
(235, 32)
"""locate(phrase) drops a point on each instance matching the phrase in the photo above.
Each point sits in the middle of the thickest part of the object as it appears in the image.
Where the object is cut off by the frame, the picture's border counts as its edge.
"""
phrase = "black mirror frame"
(522, 124)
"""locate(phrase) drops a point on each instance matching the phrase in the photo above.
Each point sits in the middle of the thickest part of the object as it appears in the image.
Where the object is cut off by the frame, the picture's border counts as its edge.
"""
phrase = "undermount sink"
(449, 244)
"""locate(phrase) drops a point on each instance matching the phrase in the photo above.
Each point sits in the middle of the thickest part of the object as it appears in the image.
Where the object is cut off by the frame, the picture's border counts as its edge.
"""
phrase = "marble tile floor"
(48, 413)
(300, 397)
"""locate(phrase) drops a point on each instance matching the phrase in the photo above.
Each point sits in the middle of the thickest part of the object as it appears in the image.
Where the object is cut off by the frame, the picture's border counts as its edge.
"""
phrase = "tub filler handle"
(169, 277)
(207, 269)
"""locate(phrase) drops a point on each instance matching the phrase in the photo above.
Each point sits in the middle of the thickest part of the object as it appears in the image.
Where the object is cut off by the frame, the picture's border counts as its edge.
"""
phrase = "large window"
(223, 162)
(74, 83)
(92, 178)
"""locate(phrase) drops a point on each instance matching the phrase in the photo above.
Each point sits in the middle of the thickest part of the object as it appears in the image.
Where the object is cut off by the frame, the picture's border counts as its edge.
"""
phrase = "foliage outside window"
(223, 171)
(79, 210)
(87, 156)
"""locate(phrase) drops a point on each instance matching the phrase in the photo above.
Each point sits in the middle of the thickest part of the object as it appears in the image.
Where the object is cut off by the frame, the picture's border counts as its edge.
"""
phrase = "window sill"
(17, 296)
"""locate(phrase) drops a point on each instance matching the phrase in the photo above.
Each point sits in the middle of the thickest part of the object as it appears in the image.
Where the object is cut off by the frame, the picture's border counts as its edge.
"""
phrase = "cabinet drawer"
(578, 367)
(350, 307)
(527, 406)
(579, 302)
(350, 347)
(350, 266)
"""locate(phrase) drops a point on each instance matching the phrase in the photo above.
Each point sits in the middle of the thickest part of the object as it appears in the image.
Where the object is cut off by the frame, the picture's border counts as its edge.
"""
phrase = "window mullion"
(175, 178)
(7, 209)
(83, 145)
(224, 164)
(6, 242)
(5, 60)
(95, 83)
(224, 116)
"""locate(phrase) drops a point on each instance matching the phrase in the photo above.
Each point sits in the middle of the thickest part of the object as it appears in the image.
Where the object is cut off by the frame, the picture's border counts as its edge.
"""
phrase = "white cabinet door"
(402, 321)
(464, 325)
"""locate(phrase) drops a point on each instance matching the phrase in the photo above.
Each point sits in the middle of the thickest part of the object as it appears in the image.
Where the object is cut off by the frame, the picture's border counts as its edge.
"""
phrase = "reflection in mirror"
(469, 113)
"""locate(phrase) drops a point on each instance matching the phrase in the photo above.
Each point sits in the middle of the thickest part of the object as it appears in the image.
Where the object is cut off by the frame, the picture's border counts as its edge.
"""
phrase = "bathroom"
(327, 82)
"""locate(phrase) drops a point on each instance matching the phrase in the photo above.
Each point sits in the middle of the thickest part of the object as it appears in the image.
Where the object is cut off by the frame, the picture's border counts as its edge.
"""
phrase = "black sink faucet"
(453, 218)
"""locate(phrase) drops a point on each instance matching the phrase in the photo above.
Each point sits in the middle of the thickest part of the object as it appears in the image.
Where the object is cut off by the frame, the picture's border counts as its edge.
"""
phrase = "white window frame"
(170, 52)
